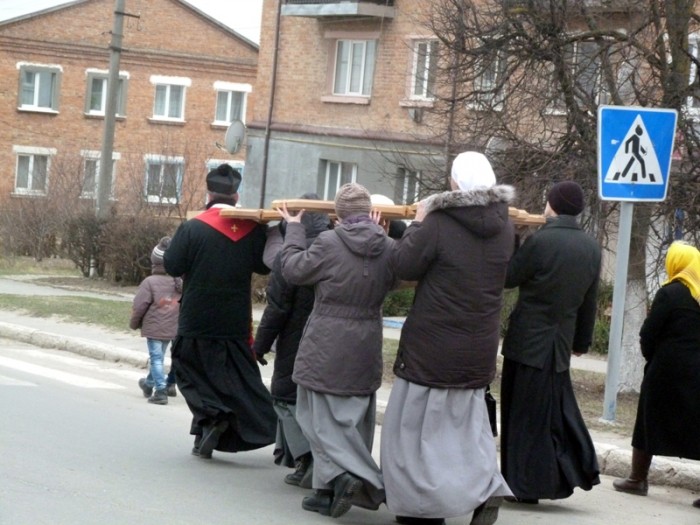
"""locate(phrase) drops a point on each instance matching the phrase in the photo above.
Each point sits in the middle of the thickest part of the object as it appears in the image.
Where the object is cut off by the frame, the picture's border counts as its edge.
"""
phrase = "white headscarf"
(471, 170)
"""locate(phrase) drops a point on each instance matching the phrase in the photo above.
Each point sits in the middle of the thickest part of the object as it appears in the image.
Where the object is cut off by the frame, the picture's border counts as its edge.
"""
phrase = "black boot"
(409, 520)
(159, 397)
(319, 502)
(302, 466)
(307, 480)
(210, 438)
(636, 483)
(197, 442)
(344, 488)
(487, 512)
(147, 390)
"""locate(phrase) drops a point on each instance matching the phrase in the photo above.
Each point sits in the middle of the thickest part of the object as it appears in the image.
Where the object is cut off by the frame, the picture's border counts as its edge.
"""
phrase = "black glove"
(261, 359)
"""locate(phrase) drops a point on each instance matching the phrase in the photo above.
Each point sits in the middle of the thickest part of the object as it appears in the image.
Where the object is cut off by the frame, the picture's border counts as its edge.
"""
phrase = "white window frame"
(166, 85)
(39, 71)
(403, 192)
(488, 81)
(91, 156)
(692, 105)
(162, 161)
(31, 153)
(575, 58)
(231, 89)
(102, 75)
(332, 175)
(424, 69)
(365, 70)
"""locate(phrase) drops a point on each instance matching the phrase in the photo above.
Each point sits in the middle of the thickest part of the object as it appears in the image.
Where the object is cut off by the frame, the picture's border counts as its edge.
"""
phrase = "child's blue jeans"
(156, 375)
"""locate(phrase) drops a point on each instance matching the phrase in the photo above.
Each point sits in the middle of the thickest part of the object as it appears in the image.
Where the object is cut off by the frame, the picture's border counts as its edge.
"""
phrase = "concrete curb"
(76, 345)
(613, 460)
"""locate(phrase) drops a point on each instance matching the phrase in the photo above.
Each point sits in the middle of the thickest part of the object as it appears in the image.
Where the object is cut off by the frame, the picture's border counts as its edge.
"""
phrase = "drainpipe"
(273, 88)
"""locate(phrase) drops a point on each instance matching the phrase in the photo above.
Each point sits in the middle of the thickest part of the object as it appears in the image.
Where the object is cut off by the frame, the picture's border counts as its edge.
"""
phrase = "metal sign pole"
(618, 311)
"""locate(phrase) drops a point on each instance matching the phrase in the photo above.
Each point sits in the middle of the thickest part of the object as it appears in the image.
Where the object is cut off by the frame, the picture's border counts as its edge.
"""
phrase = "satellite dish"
(235, 136)
(496, 145)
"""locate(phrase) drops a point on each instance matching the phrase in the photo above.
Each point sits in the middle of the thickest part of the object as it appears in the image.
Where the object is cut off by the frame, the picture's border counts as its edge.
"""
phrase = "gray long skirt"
(438, 454)
(290, 443)
(340, 430)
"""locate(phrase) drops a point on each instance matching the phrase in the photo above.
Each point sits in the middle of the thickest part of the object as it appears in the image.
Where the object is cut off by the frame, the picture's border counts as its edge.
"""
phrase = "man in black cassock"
(216, 370)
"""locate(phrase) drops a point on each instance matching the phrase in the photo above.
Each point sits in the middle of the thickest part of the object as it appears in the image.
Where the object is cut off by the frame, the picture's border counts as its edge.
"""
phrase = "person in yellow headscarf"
(668, 415)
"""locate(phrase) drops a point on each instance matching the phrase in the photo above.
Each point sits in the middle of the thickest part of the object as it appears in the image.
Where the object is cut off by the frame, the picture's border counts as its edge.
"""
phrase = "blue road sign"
(635, 145)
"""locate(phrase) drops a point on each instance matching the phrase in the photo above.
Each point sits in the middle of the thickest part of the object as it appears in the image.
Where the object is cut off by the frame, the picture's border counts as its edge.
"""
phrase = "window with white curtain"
(332, 175)
(169, 101)
(354, 67)
(424, 69)
(39, 87)
(32, 169)
(96, 93)
(164, 179)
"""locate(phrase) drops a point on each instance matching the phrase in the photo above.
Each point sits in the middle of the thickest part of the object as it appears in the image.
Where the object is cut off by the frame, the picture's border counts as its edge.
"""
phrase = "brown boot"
(636, 483)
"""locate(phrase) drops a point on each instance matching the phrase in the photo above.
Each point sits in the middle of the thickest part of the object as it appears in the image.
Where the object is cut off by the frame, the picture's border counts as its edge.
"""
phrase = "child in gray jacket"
(155, 311)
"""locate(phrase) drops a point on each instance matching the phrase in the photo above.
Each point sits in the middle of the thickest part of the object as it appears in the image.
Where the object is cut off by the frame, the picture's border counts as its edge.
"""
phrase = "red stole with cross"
(234, 229)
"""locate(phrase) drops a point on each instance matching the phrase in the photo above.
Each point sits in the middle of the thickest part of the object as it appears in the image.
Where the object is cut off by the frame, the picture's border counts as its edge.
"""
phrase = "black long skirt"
(546, 450)
(220, 381)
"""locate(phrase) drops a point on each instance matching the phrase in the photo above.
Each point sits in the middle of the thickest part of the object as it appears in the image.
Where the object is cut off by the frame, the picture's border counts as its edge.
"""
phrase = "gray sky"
(241, 15)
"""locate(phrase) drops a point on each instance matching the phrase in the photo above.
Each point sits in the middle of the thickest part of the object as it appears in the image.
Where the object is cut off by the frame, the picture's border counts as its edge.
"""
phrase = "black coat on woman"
(288, 308)
(546, 449)
(668, 417)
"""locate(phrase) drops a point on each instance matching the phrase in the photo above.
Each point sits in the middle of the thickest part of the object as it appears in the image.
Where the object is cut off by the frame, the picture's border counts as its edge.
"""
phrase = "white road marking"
(64, 377)
(10, 381)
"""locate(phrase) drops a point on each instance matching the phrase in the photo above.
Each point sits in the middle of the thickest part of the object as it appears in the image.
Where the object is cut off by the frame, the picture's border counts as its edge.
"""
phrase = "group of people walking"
(438, 456)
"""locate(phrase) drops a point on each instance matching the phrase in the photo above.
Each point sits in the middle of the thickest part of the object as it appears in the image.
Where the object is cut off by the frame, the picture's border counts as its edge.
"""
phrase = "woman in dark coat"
(288, 309)
(546, 450)
(438, 454)
(668, 416)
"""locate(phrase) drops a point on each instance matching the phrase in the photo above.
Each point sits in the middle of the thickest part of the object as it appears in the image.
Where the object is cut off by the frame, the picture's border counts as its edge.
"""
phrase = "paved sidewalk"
(613, 450)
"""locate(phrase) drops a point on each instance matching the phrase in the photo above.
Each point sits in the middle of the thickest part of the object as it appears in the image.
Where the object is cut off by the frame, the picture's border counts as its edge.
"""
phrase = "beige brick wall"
(168, 39)
(306, 55)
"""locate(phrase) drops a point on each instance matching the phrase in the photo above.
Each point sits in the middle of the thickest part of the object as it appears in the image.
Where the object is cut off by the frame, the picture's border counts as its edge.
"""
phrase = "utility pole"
(104, 180)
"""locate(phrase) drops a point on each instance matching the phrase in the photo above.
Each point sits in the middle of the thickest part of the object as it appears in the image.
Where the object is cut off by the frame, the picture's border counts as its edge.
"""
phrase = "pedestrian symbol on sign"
(636, 160)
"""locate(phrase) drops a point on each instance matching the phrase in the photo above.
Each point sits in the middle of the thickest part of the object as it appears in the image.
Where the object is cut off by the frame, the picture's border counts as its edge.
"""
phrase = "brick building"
(183, 78)
(340, 97)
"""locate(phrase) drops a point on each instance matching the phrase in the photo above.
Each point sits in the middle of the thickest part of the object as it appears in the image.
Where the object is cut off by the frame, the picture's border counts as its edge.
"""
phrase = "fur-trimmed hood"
(482, 211)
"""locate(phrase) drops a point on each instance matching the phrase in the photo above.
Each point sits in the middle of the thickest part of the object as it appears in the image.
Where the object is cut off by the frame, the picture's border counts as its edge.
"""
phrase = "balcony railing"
(339, 8)
(533, 6)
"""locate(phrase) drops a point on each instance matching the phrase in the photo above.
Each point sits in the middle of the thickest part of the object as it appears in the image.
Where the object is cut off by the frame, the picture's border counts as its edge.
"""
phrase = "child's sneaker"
(159, 397)
(147, 390)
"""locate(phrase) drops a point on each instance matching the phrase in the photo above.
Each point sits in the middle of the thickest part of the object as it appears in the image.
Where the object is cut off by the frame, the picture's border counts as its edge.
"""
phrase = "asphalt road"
(80, 445)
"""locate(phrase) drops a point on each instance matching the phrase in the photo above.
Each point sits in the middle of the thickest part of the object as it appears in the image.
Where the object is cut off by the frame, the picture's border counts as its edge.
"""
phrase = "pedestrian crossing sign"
(635, 145)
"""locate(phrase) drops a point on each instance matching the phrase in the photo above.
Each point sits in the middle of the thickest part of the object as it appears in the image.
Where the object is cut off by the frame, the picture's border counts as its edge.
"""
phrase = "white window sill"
(154, 199)
(345, 99)
(417, 103)
(554, 112)
(37, 109)
(221, 124)
(20, 192)
(484, 106)
(163, 120)
(97, 115)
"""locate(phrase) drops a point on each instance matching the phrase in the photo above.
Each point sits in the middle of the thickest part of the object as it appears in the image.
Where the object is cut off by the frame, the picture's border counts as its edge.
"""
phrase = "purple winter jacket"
(156, 305)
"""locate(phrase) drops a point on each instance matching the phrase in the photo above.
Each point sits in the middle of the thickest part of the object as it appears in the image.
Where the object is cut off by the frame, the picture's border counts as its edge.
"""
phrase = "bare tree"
(523, 80)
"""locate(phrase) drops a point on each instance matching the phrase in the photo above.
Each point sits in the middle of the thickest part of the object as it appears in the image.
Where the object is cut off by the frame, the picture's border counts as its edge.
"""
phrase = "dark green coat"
(557, 271)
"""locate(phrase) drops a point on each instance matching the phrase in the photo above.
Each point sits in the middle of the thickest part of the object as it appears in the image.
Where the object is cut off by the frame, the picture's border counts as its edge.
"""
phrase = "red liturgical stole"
(234, 229)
